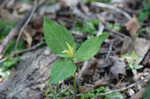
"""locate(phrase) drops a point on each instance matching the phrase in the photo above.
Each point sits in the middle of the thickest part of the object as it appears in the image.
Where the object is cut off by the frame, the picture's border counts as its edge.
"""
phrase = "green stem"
(74, 82)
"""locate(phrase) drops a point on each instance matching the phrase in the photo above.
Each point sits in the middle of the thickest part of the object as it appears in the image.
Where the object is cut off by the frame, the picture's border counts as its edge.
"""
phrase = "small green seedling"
(145, 14)
(62, 43)
(133, 60)
(9, 64)
(95, 93)
(88, 27)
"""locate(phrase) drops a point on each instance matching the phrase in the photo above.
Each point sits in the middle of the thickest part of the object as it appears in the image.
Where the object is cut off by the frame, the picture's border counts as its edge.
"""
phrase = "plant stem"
(74, 82)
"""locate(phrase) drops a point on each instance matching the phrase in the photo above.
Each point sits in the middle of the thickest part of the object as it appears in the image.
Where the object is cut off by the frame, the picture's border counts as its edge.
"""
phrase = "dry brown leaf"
(133, 26)
(127, 46)
(28, 38)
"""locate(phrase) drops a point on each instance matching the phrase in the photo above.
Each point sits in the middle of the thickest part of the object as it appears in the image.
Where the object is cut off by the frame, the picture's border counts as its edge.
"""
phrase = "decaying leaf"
(119, 67)
(127, 46)
(141, 46)
(28, 38)
(133, 26)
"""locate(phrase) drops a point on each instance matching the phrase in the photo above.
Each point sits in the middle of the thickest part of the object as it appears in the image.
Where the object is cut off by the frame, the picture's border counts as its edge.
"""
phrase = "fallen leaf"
(28, 38)
(119, 67)
(127, 46)
(141, 46)
(133, 26)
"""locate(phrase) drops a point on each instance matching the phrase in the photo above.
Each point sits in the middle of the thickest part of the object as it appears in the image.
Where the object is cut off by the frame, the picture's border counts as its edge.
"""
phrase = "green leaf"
(116, 95)
(9, 63)
(88, 27)
(61, 70)
(147, 93)
(5, 27)
(57, 36)
(89, 48)
(4, 74)
(11, 46)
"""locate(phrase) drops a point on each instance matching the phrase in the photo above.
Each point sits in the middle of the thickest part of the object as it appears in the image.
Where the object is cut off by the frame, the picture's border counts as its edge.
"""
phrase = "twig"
(103, 5)
(119, 90)
(101, 29)
(109, 51)
(22, 51)
(19, 27)
(123, 88)
(26, 23)
(29, 49)
(14, 32)
(120, 35)
(145, 58)
(85, 66)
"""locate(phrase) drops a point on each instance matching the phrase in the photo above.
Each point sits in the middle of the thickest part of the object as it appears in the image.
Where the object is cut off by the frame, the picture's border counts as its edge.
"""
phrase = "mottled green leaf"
(61, 70)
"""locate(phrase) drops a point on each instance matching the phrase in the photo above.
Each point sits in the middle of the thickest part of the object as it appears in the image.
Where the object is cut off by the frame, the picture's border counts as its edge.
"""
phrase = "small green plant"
(87, 27)
(5, 66)
(9, 64)
(145, 14)
(59, 93)
(94, 93)
(5, 27)
(115, 26)
(133, 60)
(115, 95)
(62, 43)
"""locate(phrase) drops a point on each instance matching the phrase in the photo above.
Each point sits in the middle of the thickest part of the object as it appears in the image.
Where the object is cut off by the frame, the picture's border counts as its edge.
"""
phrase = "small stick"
(101, 29)
(103, 5)
(22, 51)
(142, 81)
(147, 77)
(14, 32)
(85, 66)
(30, 14)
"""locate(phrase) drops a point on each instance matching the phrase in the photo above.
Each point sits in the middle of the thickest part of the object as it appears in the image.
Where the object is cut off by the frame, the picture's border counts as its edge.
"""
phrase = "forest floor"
(120, 69)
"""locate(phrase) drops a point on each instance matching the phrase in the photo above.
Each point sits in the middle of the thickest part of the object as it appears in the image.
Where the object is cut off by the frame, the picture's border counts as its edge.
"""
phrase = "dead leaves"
(141, 46)
(133, 26)
(28, 38)
(118, 68)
